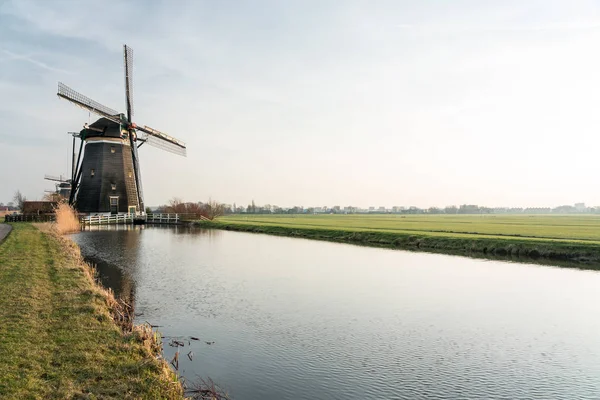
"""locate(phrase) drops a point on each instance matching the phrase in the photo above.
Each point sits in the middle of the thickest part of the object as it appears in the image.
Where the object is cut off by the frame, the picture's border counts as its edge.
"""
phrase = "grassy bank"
(57, 336)
(568, 238)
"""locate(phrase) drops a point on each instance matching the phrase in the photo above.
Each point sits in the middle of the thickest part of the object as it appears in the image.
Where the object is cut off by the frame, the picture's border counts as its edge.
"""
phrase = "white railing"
(129, 219)
(163, 218)
(107, 219)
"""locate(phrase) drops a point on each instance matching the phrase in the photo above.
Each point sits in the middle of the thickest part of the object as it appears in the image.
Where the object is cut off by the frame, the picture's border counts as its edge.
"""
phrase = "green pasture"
(547, 227)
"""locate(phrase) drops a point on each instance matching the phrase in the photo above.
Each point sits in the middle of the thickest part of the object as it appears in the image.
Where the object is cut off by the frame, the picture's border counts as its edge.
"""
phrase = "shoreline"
(76, 338)
(554, 252)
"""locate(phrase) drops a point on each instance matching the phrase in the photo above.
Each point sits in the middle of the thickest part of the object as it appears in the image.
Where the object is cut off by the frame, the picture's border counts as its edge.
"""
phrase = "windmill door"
(114, 205)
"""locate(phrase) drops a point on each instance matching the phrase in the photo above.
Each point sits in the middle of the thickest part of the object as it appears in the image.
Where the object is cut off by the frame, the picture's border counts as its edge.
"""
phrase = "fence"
(130, 219)
(101, 219)
(162, 218)
(107, 219)
(29, 218)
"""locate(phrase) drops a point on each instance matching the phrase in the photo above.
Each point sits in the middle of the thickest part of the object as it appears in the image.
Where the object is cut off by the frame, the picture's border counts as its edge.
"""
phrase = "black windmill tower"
(108, 179)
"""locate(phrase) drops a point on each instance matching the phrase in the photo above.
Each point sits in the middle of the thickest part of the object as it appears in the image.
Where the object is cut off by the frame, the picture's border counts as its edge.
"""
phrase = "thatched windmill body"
(107, 179)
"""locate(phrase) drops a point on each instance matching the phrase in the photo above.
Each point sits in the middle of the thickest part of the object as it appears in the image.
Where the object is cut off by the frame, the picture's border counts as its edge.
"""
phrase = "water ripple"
(304, 320)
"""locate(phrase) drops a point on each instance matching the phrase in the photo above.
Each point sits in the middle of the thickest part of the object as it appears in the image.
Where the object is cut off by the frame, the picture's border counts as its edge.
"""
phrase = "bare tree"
(19, 199)
(189, 210)
(176, 205)
(56, 197)
(214, 209)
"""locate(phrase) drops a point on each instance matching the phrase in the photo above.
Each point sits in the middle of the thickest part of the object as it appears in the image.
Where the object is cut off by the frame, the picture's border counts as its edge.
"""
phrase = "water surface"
(302, 319)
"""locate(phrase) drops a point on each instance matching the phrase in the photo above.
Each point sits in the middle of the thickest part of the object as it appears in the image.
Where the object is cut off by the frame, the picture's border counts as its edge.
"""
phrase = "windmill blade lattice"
(164, 145)
(138, 174)
(163, 141)
(55, 178)
(85, 102)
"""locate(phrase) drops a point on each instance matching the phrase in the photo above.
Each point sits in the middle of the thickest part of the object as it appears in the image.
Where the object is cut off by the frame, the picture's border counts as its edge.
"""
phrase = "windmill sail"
(55, 178)
(128, 60)
(128, 67)
(108, 179)
(138, 176)
(85, 102)
(163, 141)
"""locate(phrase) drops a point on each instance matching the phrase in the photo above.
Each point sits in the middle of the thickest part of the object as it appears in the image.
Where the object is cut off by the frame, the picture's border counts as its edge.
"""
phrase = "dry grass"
(66, 219)
(206, 390)
(3, 213)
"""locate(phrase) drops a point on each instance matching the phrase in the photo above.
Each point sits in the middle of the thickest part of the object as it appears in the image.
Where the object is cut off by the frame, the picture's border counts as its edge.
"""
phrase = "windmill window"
(112, 149)
(113, 186)
(92, 172)
(129, 174)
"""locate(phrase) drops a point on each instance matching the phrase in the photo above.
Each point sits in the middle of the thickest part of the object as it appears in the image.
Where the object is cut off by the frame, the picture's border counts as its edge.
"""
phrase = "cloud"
(29, 58)
(276, 98)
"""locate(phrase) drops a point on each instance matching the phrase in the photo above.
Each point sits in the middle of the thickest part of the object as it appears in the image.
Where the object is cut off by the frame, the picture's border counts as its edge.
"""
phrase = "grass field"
(554, 227)
(570, 238)
(57, 337)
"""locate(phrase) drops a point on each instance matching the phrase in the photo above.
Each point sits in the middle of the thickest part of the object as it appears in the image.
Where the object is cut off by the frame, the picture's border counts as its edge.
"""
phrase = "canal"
(300, 319)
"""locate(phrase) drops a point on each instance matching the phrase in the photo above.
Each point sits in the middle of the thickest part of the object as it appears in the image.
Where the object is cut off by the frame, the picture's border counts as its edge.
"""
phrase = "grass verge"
(579, 252)
(58, 339)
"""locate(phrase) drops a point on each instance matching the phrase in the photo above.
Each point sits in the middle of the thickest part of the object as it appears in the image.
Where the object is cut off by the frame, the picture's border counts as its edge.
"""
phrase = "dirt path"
(4, 229)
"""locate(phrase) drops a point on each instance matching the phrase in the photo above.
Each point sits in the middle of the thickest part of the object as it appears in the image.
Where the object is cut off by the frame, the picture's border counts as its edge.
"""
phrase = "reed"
(66, 219)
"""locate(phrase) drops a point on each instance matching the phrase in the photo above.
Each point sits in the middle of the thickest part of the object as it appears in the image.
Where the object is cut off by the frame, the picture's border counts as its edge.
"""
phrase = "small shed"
(39, 207)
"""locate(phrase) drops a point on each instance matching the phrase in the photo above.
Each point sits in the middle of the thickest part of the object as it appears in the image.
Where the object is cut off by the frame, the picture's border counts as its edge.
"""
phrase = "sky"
(314, 103)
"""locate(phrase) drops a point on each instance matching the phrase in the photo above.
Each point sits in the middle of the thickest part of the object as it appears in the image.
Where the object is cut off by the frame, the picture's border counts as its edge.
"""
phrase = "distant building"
(39, 207)
(469, 209)
(537, 210)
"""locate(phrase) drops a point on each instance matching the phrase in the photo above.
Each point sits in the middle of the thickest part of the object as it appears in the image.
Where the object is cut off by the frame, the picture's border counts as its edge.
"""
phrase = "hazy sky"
(425, 103)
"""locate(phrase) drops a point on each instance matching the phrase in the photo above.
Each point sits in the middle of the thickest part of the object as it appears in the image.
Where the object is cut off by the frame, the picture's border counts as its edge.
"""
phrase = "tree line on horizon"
(213, 209)
(462, 209)
(209, 210)
(218, 209)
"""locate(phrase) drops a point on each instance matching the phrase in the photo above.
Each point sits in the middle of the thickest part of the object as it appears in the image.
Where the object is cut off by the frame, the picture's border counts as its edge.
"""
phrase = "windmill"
(63, 186)
(108, 179)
